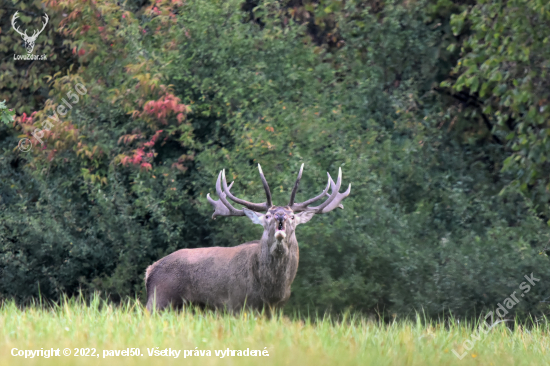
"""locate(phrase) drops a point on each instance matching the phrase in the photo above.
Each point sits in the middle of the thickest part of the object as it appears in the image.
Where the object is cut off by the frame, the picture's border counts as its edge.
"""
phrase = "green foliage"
(504, 67)
(6, 115)
(121, 180)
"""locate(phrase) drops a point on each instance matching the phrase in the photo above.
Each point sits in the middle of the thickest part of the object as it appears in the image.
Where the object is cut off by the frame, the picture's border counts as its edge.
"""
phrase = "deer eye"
(292, 217)
(267, 216)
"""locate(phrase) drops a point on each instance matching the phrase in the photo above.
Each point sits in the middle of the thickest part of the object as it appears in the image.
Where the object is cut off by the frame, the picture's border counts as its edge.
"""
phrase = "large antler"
(224, 208)
(35, 33)
(330, 204)
(15, 16)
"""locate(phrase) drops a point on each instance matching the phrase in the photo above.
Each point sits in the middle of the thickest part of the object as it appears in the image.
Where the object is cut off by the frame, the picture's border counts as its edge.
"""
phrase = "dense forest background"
(438, 112)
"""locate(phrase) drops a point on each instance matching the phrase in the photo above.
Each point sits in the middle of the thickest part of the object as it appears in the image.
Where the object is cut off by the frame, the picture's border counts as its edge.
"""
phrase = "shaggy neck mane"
(277, 271)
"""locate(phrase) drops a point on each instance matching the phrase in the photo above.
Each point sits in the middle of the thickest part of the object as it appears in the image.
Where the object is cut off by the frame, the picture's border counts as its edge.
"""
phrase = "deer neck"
(277, 266)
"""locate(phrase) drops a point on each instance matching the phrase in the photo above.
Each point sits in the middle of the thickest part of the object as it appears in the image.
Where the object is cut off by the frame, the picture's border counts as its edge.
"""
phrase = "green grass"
(353, 340)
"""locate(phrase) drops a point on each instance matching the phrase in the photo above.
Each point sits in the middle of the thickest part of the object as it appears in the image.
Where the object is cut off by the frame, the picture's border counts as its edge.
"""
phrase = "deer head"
(29, 40)
(279, 222)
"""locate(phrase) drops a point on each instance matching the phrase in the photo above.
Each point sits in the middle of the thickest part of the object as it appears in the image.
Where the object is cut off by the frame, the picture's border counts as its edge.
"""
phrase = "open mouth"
(280, 233)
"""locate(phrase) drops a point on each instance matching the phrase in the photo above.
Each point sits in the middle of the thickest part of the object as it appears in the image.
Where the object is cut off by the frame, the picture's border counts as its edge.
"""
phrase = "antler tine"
(332, 184)
(219, 207)
(266, 188)
(247, 204)
(223, 207)
(15, 16)
(44, 24)
(339, 197)
(295, 189)
(332, 196)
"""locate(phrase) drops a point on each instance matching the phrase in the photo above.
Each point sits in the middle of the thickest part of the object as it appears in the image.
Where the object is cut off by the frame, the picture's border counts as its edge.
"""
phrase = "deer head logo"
(29, 40)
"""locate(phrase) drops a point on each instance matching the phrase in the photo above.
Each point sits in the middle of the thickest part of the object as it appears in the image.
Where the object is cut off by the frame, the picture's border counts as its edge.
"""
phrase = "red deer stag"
(258, 273)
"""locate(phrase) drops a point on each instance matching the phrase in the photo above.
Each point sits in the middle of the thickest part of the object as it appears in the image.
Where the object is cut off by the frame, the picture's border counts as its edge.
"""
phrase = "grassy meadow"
(353, 340)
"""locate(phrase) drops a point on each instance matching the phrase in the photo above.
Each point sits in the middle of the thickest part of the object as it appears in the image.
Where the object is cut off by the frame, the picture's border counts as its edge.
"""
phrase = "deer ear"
(254, 216)
(303, 217)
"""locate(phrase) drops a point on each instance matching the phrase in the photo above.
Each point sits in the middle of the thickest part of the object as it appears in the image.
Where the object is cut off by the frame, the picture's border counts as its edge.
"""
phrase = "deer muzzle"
(280, 232)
